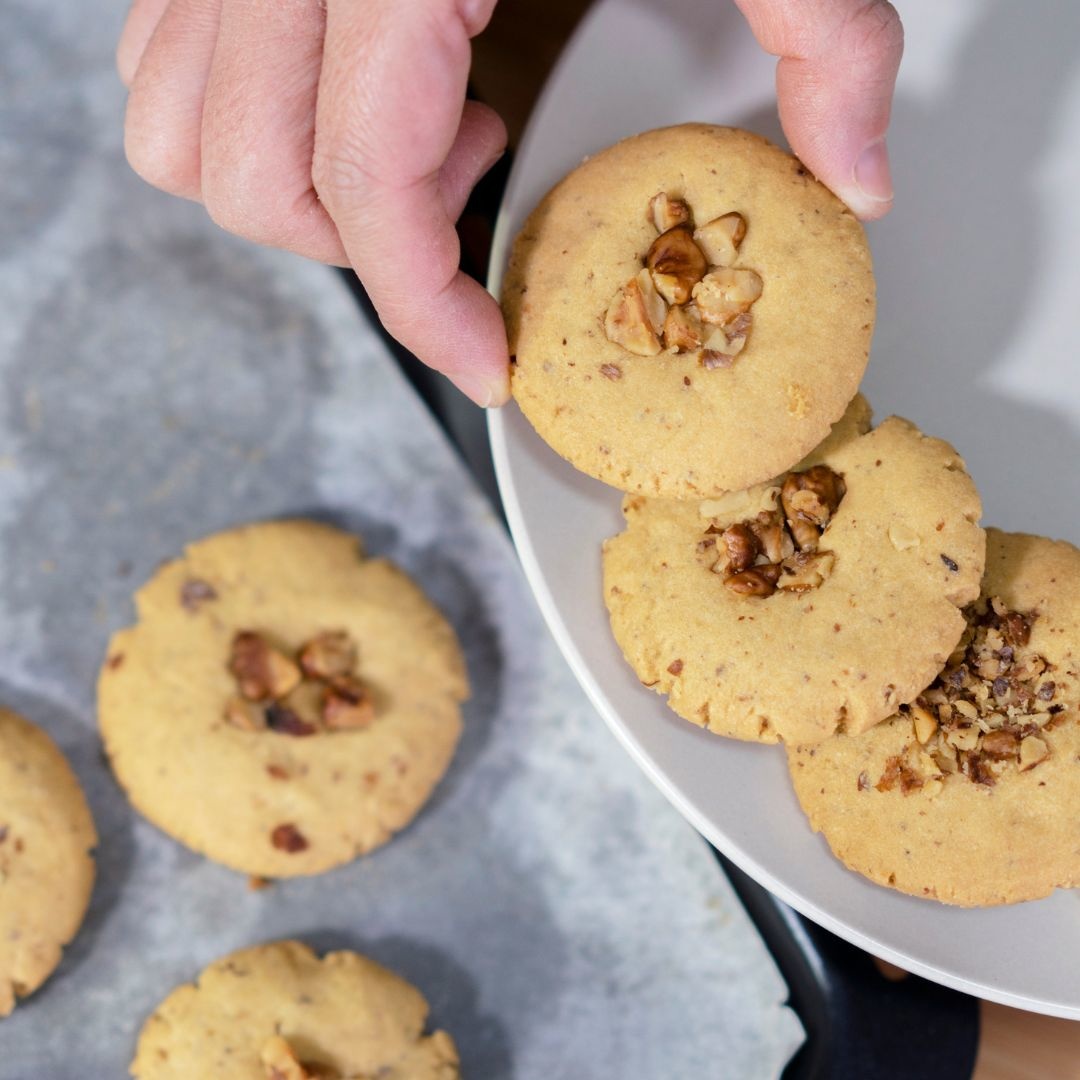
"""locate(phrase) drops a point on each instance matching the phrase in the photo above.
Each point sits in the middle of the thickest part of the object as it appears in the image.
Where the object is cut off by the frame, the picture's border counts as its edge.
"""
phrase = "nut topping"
(720, 238)
(328, 655)
(633, 317)
(758, 556)
(285, 721)
(261, 671)
(758, 581)
(988, 710)
(347, 704)
(724, 293)
(656, 308)
(321, 692)
(683, 332)
(677, 264)
(289, 838)
(666, 212)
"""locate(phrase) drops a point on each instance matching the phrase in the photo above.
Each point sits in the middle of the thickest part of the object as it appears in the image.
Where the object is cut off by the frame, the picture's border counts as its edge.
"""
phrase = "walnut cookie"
(282, 703)
(279, 1012)
(971, 795)
(688, 312)
(46, 866)
(775, 613)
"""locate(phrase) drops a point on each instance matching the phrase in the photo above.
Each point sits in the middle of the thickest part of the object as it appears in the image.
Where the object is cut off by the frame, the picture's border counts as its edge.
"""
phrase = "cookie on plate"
(46, 867)
(971, 794)
(688, 312)
(819, 601)
(279, 1012)
(282, 703)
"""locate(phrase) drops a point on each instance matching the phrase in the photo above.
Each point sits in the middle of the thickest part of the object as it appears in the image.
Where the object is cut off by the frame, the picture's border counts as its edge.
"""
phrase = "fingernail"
(872, 176)
(484, 392)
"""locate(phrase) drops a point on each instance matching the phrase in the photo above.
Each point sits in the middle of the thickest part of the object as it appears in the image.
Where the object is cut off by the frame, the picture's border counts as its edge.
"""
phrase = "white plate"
(978, 282)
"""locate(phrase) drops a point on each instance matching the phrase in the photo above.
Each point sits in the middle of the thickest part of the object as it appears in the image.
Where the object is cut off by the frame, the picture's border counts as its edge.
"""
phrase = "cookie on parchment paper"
(971, 795)
(817, 602)
(688, 312)
(282, 703)
(46, 867)
(279, 1012)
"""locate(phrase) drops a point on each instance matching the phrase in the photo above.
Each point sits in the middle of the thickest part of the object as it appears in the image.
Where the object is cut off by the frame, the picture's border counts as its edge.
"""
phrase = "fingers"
(258, 127)
(163, 126)
(141, 21)
(480, 142)
(834, 82)
(379, 170)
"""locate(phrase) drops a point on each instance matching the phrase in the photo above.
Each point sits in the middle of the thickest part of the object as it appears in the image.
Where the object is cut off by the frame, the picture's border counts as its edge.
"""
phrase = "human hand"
(834, 86)
(337, 130)
(334, 129)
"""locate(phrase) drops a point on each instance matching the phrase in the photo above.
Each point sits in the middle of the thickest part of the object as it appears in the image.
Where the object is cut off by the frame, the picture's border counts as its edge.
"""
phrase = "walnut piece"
(1032, 751)
(665, 212)
(347, 703)
(683, 331)
(244, 714)
(805, 570)
(720, 238)
(676, 263)
(328, 655)
(261, 671)
(636, 316)
(287, 837)
(724, 293)
(757, 581)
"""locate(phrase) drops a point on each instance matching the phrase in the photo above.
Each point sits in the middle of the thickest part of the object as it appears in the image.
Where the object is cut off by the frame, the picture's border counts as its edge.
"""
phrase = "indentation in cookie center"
(689, 297)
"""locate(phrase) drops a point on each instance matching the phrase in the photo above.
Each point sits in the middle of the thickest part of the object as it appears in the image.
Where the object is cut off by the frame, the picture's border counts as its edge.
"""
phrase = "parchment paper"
(158, 381)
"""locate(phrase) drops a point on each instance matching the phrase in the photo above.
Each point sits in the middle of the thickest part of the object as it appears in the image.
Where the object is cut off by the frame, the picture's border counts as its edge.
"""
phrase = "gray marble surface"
(158, 381)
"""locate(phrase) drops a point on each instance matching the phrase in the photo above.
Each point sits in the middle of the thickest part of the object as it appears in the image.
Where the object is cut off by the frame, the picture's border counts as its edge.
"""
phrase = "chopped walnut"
(666, 212)
(347, 704)
(636, 316)
(286, 721)
(720, 239)
(987, 710)
(676, 264)
(289, 838)
(725, 293)
(244, 714)
(778, 551)
(689, 297)
(328, 655)
(261, 671)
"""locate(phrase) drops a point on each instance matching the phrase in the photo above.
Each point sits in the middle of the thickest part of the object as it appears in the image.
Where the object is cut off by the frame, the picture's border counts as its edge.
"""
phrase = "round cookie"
(46, 867)
(278, 1012)
(996, 821)
(267, 783)
(685, 425)
(879, 614)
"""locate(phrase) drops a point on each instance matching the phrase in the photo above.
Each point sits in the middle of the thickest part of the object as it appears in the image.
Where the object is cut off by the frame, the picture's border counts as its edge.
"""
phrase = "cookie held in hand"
(688, 312)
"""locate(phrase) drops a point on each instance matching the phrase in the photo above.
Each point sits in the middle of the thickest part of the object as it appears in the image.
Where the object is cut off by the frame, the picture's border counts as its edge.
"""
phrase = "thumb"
(834, 84)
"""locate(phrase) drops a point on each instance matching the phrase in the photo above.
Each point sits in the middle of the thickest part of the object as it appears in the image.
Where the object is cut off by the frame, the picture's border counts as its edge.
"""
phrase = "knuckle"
(170, 168)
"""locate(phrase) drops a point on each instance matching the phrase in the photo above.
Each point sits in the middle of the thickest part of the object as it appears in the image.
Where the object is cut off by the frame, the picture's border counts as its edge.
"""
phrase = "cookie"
(816, 602)
(688, 312)
(278, 1012)
(46, 868)
(282, 703)
(971, 795)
